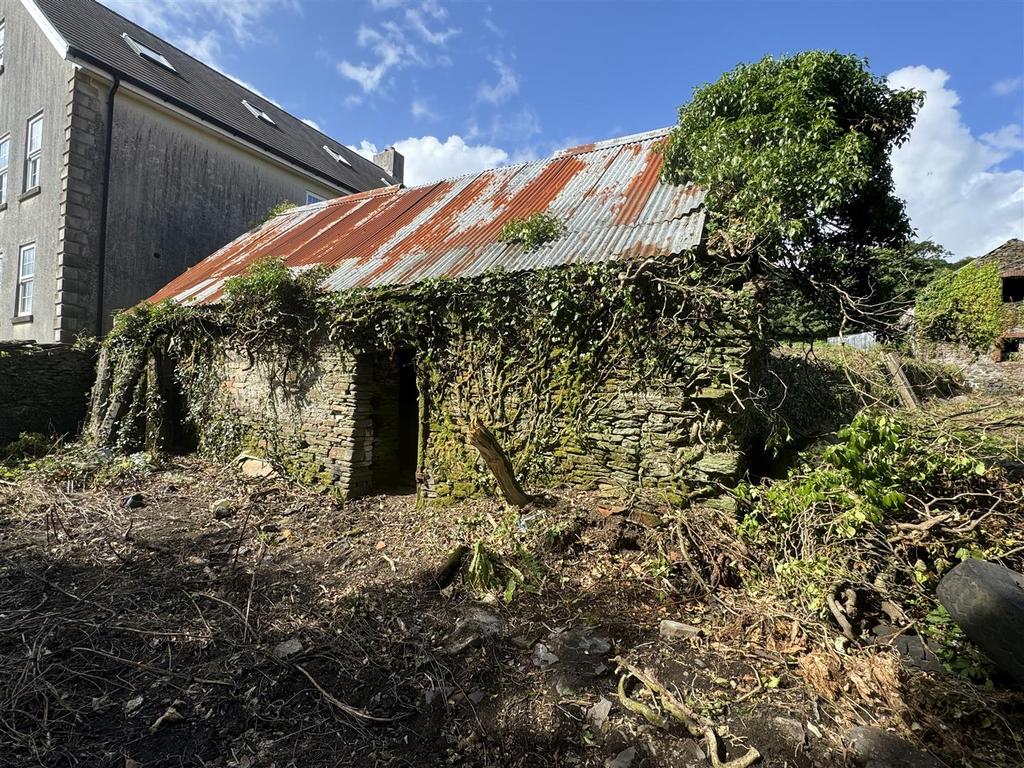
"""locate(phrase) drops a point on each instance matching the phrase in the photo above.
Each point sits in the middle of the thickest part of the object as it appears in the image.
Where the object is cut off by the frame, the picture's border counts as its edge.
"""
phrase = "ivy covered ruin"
(353, 342)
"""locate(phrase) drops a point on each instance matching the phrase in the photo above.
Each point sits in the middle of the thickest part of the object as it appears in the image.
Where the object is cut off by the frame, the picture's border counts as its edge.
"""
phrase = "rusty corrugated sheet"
(608, 195)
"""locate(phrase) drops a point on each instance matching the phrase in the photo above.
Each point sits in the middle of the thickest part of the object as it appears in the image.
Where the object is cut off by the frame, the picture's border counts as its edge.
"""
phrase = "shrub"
(531, 232)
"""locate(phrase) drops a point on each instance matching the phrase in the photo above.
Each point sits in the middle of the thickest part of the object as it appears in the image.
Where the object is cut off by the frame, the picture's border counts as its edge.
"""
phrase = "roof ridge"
(632, 138)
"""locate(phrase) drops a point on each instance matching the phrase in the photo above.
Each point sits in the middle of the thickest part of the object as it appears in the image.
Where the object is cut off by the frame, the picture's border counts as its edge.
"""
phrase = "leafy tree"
(886, 284)
(794, 153)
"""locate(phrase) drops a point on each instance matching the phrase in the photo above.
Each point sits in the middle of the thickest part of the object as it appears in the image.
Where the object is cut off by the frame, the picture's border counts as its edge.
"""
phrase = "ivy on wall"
(964, 307)
(531, 353)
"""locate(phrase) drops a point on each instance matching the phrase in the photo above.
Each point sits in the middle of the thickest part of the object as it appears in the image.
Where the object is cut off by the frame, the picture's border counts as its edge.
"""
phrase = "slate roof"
(94, 36)
(1009, 256)
(609, 197)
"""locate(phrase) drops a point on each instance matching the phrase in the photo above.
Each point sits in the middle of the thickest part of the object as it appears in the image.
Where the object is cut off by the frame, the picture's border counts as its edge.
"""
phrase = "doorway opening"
(396, 423)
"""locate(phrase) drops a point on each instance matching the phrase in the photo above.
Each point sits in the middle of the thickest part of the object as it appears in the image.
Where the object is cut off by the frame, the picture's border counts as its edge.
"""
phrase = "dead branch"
(497, 461)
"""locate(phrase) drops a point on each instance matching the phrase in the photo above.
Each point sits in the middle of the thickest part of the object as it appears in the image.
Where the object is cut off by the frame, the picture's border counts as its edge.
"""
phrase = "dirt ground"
(186, 615)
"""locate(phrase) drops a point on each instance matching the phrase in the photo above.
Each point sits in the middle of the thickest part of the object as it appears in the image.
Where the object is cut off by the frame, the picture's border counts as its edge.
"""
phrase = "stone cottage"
(1009, 258)
(123, 161)
(615, 355)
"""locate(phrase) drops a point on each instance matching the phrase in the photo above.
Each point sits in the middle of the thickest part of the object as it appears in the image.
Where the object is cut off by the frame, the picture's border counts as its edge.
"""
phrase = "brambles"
(878, 518)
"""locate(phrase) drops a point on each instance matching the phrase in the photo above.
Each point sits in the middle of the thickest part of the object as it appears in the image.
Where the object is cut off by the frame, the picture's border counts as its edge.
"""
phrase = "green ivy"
(964, 307)
(531, 232)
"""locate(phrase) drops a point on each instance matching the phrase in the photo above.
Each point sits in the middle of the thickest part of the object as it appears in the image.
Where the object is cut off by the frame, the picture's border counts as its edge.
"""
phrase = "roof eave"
(77, 56)
(56, 38)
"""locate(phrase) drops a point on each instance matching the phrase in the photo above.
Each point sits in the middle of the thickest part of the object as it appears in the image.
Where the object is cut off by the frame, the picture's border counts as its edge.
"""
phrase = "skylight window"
(257, 112)
(148, 53)
(338, 158)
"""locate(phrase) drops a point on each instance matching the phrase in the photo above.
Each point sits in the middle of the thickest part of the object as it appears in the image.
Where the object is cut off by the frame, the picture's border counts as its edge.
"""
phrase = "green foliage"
(866, 477)
(964, 307)
(271, 300)
(531, 232)
(29, 445)
(957, 652)
(794, 153)
(865, 512)
(282, 207)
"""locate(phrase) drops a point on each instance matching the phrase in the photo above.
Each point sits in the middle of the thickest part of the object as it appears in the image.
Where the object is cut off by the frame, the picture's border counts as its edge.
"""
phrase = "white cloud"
(415, 17)
(392, 47)
(389, 44)
(312, 124)
(1007, 86)
(206, 48)
(506, 87)
(420, 109)
(956, 192)
(428, 159)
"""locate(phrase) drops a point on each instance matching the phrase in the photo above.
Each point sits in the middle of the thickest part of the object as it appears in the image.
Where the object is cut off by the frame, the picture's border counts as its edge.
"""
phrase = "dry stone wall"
(43, 388)
(343, 421)
(312, 416)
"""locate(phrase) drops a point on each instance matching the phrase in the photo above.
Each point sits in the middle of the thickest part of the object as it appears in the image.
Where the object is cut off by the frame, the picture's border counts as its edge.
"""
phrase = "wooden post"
(480, 437)
(903, 388)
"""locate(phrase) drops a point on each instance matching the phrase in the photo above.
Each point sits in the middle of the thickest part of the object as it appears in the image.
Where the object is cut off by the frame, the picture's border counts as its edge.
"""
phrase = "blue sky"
(462, 86)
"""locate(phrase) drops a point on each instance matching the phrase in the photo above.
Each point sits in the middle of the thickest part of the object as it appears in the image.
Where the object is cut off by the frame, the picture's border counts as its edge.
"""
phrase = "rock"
(597, 715)
(645, 518)
(252, 466)
(473, 626)
(677, 630)
(223, 509)
(986, 600)
(624, 759)
(288, 648)
(523, 642)
(877, 748)
(132, 704)
(542, 656)
(791, 730)
(171, 715)
(476, 697)
(134, 501)
(581, 653)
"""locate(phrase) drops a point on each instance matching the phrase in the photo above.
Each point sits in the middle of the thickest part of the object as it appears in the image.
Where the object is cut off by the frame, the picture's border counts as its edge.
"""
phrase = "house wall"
(35, 79)
(180, 191)
(54, 374)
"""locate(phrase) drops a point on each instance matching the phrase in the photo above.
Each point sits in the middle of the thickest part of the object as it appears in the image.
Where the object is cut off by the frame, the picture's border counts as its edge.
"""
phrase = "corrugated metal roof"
(608, 196)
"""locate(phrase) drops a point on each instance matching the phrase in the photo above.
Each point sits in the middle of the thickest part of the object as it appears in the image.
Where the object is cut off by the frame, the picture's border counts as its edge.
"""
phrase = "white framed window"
(3, 42)
(257, 112)
(5, 166)
(312, 197)
(33, 151)
(338, 157)
(148, 53)
(26, 276)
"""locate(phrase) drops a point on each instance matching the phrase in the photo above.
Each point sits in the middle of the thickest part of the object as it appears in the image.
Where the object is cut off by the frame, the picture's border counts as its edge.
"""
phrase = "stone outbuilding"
(584, 402)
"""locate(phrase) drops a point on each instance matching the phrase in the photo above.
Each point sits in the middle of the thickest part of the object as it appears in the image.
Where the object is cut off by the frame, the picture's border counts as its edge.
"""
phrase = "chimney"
(391, 160)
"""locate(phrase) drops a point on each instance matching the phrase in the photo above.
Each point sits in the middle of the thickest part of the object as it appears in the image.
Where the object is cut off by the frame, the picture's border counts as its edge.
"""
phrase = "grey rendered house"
(124, 161)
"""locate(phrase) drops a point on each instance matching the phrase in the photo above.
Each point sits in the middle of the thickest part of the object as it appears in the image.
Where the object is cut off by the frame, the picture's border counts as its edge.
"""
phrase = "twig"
(346, 708)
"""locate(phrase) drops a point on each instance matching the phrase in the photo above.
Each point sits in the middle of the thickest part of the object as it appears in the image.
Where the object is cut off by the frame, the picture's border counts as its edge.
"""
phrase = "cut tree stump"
(480, 437)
